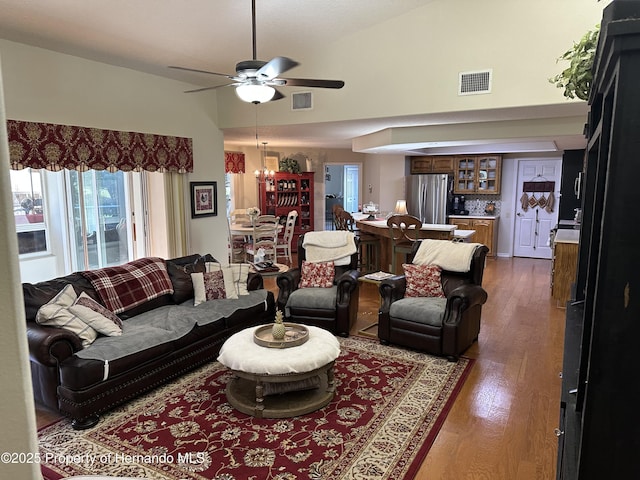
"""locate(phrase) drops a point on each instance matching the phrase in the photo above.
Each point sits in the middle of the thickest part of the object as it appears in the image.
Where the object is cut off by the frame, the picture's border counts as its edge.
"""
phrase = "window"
(29, 211)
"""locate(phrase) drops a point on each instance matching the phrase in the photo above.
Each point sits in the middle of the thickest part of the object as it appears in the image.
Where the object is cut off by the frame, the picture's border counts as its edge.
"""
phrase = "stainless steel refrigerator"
(428, 196)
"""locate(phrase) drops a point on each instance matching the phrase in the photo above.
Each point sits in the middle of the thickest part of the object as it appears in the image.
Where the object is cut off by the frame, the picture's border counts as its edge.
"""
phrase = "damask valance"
(234, 162)
(54, 147)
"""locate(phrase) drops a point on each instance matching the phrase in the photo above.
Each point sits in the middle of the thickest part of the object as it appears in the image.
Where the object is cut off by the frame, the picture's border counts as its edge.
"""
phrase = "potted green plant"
(288, 164)
(576, 78)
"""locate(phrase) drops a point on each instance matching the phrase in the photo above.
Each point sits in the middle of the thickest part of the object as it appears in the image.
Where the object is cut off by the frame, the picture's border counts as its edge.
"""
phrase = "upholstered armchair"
(334, 308)
(444, 326)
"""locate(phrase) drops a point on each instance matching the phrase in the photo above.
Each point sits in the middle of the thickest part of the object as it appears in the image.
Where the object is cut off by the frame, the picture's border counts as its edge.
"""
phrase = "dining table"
(245, 229)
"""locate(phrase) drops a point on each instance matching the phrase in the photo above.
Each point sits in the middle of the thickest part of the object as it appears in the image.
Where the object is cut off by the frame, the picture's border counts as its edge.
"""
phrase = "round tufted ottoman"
(280, 383)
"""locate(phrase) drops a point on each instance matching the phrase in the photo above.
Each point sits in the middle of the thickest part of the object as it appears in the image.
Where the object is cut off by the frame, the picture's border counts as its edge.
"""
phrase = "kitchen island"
(379, 228)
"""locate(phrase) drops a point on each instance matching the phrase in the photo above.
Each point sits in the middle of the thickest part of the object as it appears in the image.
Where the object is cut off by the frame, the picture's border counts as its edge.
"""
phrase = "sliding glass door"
(99, 206)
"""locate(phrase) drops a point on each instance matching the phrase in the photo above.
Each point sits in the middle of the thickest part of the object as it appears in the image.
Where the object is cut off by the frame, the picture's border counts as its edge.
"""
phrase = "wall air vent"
(301, 101)
(474, 83)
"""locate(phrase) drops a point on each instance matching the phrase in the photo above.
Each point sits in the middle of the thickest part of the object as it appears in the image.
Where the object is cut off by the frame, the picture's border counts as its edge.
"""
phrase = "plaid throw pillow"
(423, 280)
(126, 286)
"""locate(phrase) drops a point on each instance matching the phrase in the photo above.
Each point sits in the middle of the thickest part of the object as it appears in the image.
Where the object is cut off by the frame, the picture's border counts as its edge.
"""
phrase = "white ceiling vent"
(474, 83)
(301, 101)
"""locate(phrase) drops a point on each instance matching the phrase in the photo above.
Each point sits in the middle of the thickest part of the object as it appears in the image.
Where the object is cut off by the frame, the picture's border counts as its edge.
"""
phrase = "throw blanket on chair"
(326, 246)
(450, 256)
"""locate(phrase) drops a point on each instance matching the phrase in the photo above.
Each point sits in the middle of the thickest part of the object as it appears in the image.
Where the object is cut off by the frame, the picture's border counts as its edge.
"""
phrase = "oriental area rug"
(388, 408)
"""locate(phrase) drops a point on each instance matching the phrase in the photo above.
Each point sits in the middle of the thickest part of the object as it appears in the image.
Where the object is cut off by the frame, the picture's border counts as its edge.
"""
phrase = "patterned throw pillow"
(96, 316)
(235, 277)
(56, 313)
(423, 280)
(208, 286)
(320, 274)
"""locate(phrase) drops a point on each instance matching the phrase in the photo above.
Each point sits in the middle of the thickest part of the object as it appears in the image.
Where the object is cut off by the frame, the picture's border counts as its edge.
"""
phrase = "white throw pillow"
(56, 313)
(96, 316)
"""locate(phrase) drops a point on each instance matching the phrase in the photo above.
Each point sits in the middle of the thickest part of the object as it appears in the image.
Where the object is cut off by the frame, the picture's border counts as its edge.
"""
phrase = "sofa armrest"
(463, 298)
(255, 281)
(50, 345)
(346, 283)
(391, 289)
(287, 282)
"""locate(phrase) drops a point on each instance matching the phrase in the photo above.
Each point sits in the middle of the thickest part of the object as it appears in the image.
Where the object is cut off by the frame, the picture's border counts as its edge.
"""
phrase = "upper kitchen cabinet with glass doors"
(477, 174)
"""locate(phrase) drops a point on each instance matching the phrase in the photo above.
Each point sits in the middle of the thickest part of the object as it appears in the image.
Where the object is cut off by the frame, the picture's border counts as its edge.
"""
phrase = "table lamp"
(401, 207)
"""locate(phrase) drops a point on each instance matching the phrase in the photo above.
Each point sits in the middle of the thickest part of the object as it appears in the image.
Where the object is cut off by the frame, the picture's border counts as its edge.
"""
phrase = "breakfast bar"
(379, 228)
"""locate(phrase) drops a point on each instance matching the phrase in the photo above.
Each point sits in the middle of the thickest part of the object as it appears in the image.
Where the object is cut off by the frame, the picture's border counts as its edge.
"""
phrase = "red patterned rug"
(389, 405)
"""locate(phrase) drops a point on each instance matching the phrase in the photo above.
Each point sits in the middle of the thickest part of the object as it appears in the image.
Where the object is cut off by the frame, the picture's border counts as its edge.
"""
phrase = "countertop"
(567, 236)
(487, 217)
(463, 233)
(425, 226)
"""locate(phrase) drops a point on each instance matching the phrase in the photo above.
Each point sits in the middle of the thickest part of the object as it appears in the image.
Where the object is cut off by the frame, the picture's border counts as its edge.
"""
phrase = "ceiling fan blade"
(277, 96)
(210, 88)
(309, 82)
(275, 67)
(231, 77)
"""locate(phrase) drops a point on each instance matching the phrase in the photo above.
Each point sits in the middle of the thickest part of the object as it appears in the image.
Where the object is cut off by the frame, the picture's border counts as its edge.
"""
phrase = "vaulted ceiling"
(149, 35)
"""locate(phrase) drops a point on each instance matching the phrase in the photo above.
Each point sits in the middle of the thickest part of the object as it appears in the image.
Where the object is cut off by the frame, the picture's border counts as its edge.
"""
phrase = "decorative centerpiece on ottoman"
(280, 382)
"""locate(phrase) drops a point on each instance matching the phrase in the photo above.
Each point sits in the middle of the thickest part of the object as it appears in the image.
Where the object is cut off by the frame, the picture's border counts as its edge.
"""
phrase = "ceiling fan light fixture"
(252, 93)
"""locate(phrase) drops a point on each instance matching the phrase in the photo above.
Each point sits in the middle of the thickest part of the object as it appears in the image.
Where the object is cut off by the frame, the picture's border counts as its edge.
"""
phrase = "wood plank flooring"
(501, 425)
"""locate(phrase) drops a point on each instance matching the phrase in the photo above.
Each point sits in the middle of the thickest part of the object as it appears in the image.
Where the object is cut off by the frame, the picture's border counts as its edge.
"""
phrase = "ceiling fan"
(255, 80)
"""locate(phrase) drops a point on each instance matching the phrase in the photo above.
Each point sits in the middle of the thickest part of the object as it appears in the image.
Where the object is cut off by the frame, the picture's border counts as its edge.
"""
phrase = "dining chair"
(404, 230)
(265, 236)
(284, 242)
(369, 245)
(337, 208)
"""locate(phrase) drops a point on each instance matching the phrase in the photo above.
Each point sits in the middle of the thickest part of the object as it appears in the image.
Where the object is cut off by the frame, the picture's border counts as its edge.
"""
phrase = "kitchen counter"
(437, 227)
(479, 217)
(567, 236)
(380, 229)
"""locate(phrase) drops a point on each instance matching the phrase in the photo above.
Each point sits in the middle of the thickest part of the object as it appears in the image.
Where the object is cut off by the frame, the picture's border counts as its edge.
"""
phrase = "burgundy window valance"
(234, 162)
(54, 147)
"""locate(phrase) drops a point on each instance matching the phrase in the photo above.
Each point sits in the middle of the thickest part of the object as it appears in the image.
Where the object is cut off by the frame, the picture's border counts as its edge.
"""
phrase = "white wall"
(411, 63)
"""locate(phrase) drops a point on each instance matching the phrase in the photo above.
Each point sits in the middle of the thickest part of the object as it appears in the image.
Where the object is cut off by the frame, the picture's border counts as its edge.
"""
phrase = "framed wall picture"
(204, 199)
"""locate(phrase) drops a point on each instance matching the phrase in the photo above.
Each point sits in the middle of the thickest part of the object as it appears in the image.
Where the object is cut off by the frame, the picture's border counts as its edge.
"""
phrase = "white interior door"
(351, 181)
(534, 221)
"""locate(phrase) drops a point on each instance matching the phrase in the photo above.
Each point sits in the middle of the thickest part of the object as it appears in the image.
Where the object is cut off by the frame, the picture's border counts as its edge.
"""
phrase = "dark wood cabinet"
(285, 192)
(600, 415)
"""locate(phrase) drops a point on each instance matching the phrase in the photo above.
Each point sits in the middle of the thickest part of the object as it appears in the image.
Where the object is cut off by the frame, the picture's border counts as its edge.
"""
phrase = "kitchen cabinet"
(477, 174)
(433, 164)
(285, 192)
(486, 229)
(563, 266)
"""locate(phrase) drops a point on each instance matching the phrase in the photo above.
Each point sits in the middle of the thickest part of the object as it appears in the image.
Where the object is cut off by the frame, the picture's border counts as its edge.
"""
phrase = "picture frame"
(204, 199)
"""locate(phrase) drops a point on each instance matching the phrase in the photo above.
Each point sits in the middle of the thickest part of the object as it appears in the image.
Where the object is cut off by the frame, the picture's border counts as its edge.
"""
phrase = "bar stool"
(369, 247)
(404, 230)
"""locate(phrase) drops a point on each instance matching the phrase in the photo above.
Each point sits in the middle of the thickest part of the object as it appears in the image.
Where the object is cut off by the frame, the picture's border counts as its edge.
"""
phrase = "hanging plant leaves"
(576, 78)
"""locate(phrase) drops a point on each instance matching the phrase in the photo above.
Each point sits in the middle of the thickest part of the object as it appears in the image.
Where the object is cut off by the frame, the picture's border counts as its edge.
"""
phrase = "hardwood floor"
(501, 425)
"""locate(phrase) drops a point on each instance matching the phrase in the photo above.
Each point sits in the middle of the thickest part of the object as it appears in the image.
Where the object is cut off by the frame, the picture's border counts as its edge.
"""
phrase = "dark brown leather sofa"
(459, 324)
(82, 388)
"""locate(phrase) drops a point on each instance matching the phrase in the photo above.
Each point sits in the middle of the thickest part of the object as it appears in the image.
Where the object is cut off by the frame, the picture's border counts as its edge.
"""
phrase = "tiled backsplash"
(476, 203)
